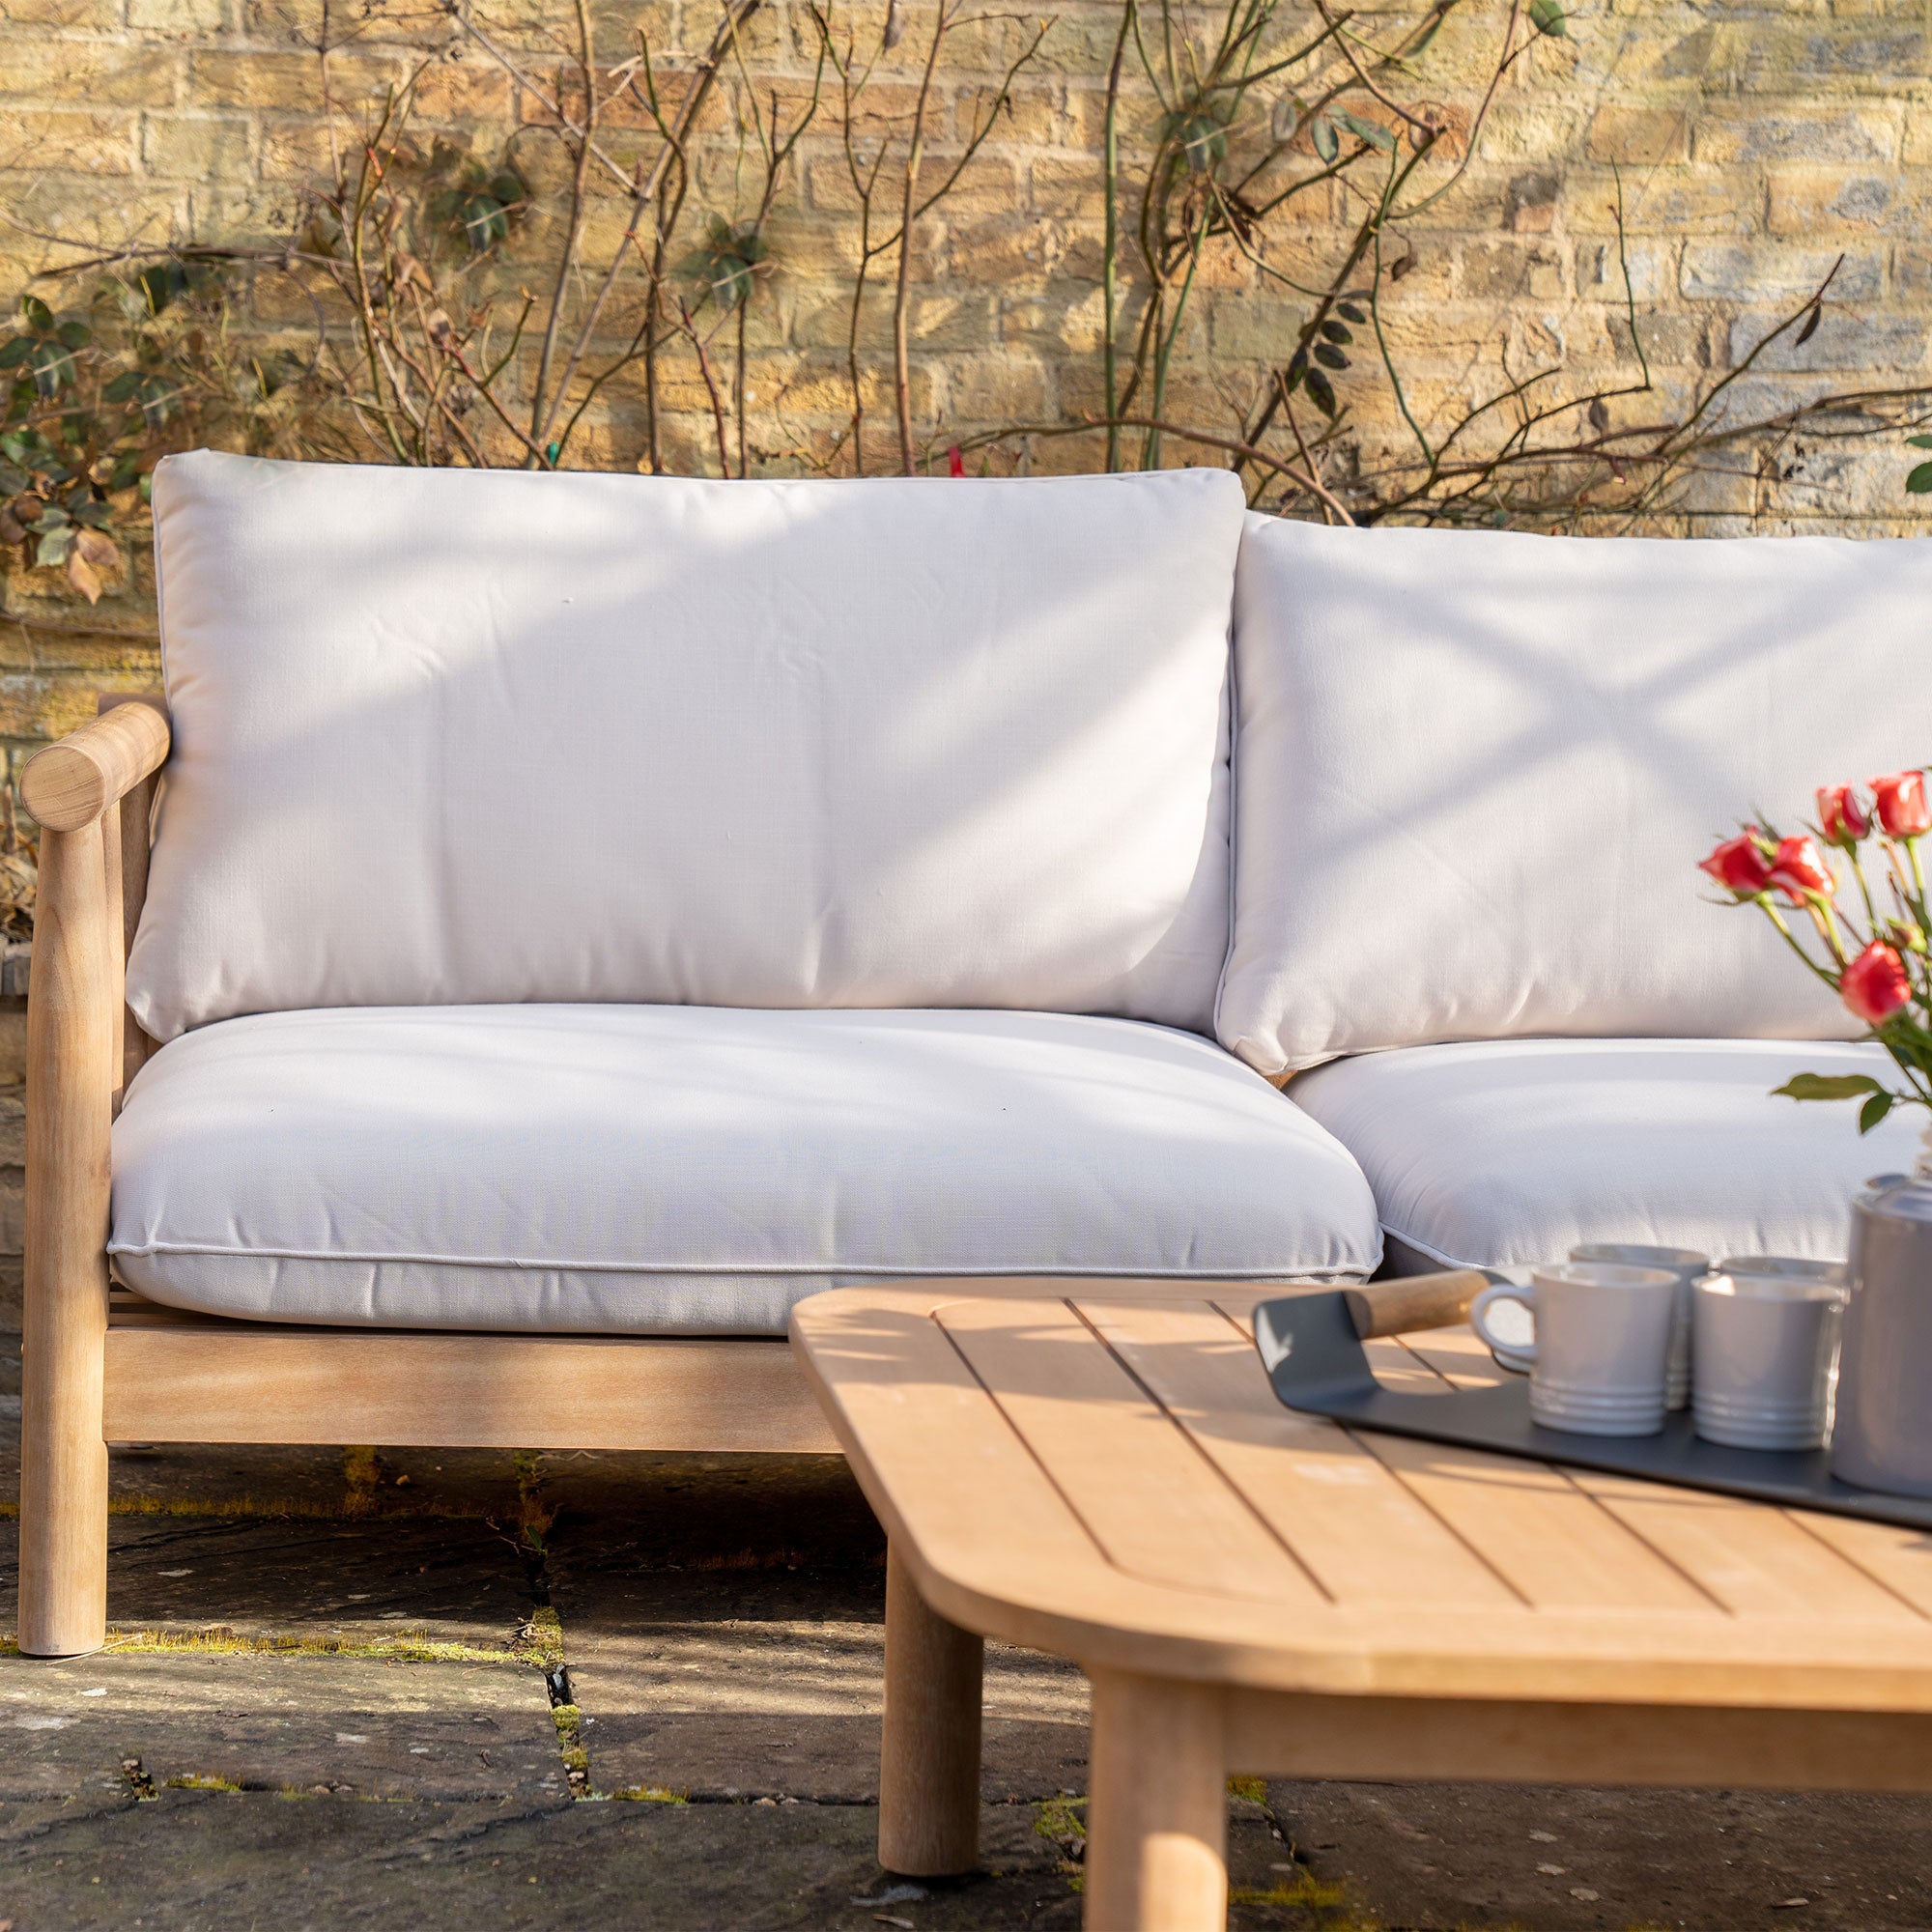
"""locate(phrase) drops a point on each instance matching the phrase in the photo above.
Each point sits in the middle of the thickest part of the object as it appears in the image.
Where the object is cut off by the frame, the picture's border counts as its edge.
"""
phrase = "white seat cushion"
(694, 1170)
(444, 737)
(1476, 770)
(1508, 1154)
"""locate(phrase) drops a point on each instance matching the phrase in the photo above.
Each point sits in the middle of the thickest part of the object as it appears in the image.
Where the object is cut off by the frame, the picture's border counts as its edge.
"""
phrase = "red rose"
(1875, 984)
(1739, 866)
(1798, 871)
(1902, 810)
(1842, 819)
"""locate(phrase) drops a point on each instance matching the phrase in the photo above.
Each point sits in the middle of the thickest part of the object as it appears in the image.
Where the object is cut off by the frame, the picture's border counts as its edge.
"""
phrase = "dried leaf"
(99, 549)
(1399, 270)
(83, 576)
(1600, 415)
(1811, 323)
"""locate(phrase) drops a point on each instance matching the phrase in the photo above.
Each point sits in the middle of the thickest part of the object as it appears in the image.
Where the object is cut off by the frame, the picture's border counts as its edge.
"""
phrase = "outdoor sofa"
(564, 920)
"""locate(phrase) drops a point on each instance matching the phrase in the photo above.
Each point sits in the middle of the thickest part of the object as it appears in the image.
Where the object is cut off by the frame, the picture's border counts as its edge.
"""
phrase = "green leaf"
(483, 219)
(158, 400)
(39, 315)
(1919, 442)
(1336, 332)
(123, 388)
(1827, 1086)
(1349, 312)
(53, 547)
(161, 283)
(1202, 139)
(1547, 17)
(52, 366)
(1330, 356)
(75, 334)
(1328, 143)
(1375, 134)
(16, 351)
(1322, 391)
(1873, 1112)
(1920, 482)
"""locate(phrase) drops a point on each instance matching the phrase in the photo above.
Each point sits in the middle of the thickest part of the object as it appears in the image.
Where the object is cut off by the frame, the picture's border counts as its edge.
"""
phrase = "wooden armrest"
(69, 785)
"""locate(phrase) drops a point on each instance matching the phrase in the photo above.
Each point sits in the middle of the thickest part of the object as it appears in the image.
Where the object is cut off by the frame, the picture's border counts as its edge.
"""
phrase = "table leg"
(929, 1765)
(1158, 1807)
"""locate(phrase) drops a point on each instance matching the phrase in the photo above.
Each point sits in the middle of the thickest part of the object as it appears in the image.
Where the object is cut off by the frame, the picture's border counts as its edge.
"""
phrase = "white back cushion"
(447, 737)
(1475, 771)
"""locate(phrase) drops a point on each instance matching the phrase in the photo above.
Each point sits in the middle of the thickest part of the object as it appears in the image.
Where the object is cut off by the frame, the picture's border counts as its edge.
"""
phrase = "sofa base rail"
(173, 1377)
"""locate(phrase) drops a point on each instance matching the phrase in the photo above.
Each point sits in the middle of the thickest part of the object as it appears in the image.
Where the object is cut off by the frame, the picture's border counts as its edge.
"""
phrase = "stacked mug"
(1625, 1334)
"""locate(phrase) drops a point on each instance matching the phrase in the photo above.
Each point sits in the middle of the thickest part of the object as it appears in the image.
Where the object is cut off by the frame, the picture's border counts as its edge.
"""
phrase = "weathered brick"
(198, 147)
(95, 73)
(181, 17)
(1846, 343)
(1771, 271)
(70, 139)
(1640, 135)
(1739, 131)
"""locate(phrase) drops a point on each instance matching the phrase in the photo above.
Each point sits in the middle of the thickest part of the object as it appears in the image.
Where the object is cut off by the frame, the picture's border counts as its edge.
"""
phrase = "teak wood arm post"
(74, 1074)
(929, 1761)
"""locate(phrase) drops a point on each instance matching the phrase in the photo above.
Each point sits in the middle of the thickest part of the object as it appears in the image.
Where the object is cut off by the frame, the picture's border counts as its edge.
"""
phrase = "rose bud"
(1842, 819)
(1875, 985)
(1902, 811)
(1904, 935)
(1798, 871)
(1739, 866)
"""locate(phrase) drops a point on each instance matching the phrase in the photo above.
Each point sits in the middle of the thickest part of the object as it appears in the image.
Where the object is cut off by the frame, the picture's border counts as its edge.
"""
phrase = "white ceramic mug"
(1689, 1267)
(1768, 1355)
(1597, 1366)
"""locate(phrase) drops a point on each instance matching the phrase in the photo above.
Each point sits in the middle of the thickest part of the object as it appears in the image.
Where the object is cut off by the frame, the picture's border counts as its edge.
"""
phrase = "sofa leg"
(929, 1765)
(63, 1494)
(71, 1078)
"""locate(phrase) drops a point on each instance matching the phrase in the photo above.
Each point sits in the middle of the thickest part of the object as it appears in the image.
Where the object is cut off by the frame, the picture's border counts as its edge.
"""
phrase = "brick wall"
(1757, 140)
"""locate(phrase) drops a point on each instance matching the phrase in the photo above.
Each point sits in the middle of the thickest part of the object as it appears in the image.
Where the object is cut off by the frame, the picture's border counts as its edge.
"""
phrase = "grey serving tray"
(1316, 1361)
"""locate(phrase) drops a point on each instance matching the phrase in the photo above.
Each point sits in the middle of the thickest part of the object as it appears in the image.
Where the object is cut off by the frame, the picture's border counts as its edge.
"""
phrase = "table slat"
(1752, 1558)
(1551, 1540)
(1150, 1500)
(1359, 1531)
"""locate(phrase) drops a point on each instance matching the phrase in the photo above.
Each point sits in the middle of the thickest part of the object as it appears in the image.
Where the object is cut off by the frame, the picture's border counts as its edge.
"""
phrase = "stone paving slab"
(721, 1618)
(114, 1724)
(633, 1511)
(824, 1758)
(330, 1581)
(731, 1680)
(213, 1861)
(1439, 1858)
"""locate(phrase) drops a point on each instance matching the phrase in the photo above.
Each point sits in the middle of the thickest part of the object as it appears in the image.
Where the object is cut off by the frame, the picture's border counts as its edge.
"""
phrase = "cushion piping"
(550, 1264)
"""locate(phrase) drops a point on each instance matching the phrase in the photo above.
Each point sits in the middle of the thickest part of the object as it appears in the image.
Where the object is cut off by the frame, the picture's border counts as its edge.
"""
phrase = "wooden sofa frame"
(101, 1365)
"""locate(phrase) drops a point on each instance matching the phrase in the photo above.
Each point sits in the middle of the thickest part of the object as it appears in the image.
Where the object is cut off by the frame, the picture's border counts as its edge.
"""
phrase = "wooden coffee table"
(1101, 1470)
